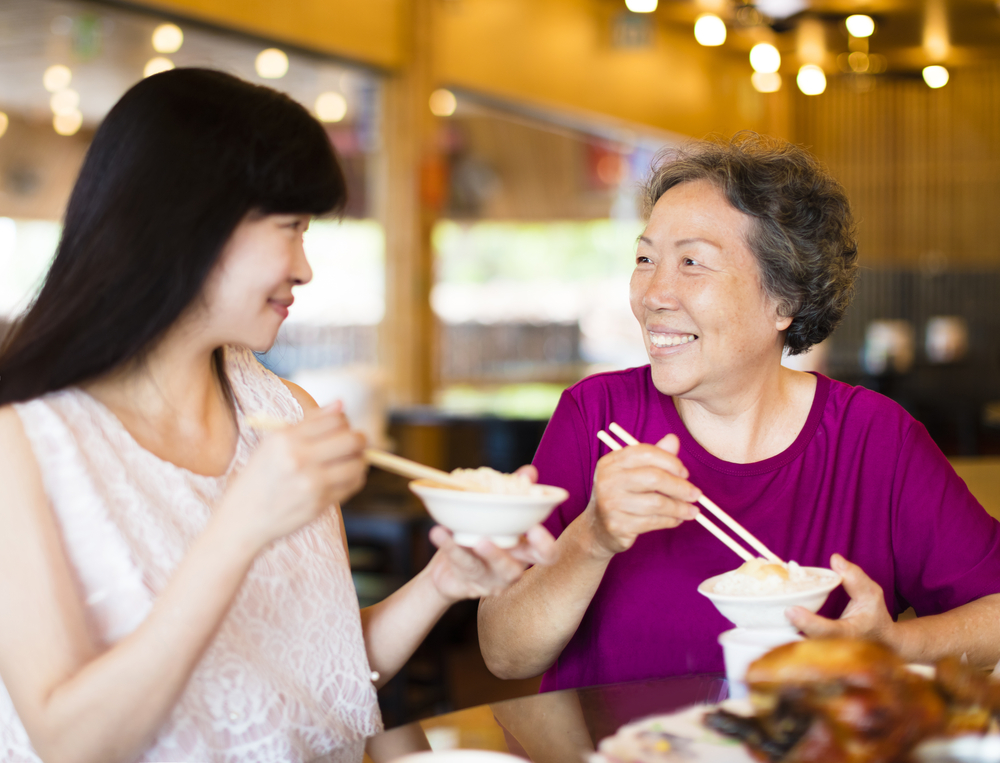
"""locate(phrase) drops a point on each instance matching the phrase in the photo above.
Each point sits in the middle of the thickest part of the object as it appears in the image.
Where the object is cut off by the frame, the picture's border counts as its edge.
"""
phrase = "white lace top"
(286, 677)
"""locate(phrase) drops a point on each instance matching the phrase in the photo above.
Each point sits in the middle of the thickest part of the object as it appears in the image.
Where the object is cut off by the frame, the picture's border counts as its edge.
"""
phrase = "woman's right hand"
(295, 475)
(638, 489)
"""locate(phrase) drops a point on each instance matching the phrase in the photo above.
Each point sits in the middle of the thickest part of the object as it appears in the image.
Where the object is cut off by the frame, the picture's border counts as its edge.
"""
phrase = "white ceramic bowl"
(769, 611)
(501, 518)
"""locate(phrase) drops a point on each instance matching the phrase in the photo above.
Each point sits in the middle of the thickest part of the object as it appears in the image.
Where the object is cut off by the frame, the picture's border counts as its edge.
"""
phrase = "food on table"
(759, 577)
(491, 481)
(849, 701)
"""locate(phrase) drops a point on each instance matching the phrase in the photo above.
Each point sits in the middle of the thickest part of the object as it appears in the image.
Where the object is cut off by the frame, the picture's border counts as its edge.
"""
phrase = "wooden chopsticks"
(733, 525)
(384, 460)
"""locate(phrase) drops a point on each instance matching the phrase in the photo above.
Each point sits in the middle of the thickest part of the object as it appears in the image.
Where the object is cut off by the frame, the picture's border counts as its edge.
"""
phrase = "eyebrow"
(684, 241)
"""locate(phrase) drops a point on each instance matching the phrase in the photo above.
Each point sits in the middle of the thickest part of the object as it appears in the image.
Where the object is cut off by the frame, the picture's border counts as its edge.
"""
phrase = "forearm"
(970, 629)
(115, 704)
(395, 627)
(523, 630)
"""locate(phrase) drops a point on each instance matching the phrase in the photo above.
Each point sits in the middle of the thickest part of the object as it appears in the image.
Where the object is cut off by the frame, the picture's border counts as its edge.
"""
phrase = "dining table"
(553, 727)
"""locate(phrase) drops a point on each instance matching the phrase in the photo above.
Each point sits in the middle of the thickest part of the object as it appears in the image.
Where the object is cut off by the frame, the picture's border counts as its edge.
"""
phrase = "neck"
(758, 420)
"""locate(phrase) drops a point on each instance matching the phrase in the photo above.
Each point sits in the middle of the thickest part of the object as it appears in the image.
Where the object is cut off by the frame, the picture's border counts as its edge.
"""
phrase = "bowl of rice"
(757, 594)
(498, 506)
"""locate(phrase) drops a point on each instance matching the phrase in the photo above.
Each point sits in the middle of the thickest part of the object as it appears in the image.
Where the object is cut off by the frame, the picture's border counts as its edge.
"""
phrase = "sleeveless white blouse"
(286, 677)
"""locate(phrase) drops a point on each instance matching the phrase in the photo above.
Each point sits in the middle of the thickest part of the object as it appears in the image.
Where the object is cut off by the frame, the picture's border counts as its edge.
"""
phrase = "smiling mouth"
(670, 340)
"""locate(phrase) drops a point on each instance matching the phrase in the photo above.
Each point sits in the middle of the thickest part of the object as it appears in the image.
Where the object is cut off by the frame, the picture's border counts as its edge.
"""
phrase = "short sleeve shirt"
(862, 479)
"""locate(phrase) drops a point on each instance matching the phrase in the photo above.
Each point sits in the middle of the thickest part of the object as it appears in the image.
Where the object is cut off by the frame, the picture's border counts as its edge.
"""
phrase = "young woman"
(174, 585)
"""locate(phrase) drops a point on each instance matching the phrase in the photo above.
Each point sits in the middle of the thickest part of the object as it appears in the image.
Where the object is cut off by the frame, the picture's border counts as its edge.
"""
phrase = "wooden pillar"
(407, 340)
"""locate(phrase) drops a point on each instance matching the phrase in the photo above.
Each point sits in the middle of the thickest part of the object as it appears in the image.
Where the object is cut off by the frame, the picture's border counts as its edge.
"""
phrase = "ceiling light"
(781, 9)
(167, 38)
(67, 124)
(935, 76)
(4, 121)
(710, 30)
(57, 77)
(272, 63)
(765, 58)
(860, 25)
(157, 65)
(641, 6)
(443, 103)
(65, 101)
(331, 106)
(766, 82)
(811, 80)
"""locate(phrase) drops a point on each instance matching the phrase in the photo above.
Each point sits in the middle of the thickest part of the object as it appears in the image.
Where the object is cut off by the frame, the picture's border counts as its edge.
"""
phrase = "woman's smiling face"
(708, 326)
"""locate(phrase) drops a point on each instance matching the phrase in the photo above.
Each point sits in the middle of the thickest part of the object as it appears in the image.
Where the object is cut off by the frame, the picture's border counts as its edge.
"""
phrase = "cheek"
(636, 291)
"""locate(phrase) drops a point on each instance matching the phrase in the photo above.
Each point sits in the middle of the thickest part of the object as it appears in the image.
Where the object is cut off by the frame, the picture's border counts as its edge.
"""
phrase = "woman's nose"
(301, 271)
(660, 292)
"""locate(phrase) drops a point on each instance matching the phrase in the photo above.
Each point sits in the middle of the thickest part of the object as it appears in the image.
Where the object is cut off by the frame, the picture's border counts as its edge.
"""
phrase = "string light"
(641, 6)
(64, 102)
(765, 58)
(811, 79)
(157, 65)
(860, 25)
(443, 103)
(331, 106)
(167, 38)
(56, 78)
(710, 30)
(67, 124)
(935, 76)
(766, 82)
(272, 63)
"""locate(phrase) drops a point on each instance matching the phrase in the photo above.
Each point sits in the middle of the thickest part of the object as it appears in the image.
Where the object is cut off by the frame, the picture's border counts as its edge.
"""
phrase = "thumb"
(671, 443)
(813, 625)
(529, 471)
(856, 583)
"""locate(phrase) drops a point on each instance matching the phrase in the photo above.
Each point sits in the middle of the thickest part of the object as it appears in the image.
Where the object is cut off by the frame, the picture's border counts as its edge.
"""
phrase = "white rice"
(493, 481)
(738, 583)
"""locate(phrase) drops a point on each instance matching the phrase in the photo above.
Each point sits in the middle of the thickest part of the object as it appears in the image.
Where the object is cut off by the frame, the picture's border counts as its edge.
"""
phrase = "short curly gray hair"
(802, 232)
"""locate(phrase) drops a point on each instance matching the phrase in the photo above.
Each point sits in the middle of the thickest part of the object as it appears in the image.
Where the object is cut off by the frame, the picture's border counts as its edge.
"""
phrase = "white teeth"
(670, 340)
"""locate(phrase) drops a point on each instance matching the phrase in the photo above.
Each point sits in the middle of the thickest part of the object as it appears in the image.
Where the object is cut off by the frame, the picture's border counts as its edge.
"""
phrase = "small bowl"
(769, 611)
(501, 518)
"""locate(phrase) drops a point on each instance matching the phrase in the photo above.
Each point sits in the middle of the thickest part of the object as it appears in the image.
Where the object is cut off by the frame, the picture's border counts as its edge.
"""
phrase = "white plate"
(680, 736)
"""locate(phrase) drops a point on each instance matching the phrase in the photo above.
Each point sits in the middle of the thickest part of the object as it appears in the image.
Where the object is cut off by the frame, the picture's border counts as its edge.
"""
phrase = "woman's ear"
(783, 322)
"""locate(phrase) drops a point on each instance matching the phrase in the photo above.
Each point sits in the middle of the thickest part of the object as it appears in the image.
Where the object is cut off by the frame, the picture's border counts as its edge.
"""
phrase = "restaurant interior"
(493, 150)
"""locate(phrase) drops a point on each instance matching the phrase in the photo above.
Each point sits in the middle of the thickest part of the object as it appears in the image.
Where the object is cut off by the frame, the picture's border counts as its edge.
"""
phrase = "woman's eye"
(689, 261)
(640, 260)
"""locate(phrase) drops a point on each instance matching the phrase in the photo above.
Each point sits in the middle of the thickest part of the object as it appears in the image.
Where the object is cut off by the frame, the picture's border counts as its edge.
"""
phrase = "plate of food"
(827, 701)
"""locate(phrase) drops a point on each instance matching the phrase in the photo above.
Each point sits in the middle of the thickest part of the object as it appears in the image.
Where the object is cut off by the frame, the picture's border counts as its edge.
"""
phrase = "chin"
(671, 383)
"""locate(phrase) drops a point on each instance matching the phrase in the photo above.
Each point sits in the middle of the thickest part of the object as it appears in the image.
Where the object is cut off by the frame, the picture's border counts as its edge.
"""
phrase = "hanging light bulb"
(710, 30)
(935, 76)
(811, 79)
(331, 106)
(272, 63)
(641, 6)
(765, 58)
(56, 78)
(157, 65)
(860, 25)
(443, 103)
(766, 82)
(167, 38)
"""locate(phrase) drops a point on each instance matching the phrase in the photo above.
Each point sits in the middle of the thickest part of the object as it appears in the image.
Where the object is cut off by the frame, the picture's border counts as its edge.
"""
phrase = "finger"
(671, 443)
(500, 568)
(650, 479)
(529, 471)
(340, 445)
(815, 626)
(636, 456)
(537, 547)
(858, 585)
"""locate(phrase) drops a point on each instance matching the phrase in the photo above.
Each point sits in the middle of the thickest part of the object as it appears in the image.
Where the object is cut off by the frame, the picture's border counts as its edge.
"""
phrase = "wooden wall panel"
(921, 166)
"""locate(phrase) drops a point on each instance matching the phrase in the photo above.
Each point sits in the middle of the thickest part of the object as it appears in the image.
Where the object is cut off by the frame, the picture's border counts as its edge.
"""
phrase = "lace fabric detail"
(286, 677)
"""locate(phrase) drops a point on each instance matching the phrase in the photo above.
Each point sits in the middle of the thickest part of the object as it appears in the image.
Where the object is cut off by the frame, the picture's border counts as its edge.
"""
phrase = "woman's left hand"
(485, 570)
(865, 616)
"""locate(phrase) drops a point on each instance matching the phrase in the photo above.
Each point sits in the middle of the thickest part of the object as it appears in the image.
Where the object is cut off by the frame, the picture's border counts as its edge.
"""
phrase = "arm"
(523, 630)
(81, 703)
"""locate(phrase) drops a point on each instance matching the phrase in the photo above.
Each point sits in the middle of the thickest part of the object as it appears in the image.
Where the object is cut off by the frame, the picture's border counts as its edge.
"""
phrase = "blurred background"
(493, 150)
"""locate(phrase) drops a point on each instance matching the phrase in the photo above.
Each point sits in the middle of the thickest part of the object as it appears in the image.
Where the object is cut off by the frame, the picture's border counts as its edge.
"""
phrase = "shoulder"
(20, 473)
(625, 383)
(302, 397)
(862, 408)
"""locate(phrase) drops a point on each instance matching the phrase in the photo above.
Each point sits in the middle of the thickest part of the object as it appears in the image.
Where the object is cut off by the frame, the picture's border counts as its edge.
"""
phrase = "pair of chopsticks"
(733, 525)
(382, 459)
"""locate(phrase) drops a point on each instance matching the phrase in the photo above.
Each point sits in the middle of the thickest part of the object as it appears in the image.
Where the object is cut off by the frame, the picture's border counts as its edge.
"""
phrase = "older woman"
(748, 252)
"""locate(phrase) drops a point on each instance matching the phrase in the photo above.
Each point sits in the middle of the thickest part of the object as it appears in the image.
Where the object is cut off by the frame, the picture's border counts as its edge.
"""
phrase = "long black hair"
(179, 161)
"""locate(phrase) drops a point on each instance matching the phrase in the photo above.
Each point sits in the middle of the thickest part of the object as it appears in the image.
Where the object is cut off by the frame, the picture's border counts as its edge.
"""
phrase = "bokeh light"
(765, 58)
(272, 63)
(443, 103)
(811, 79)
(331, 106)
(935, 76)
(167, 38)
(710, 30)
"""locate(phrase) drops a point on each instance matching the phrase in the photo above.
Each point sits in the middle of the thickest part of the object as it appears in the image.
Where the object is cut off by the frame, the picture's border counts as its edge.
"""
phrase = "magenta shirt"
(862, 479)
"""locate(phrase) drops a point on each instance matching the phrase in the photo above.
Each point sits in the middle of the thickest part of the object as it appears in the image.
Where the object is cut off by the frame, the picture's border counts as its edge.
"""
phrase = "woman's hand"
(866, 615)
(295, 474)
(638, 489)
(485, 570)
